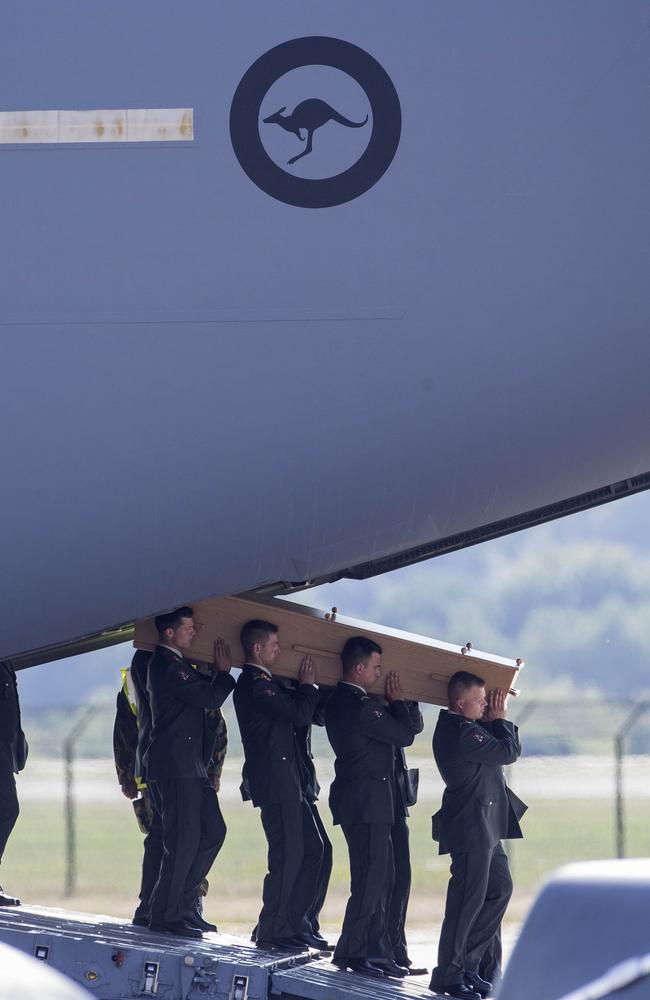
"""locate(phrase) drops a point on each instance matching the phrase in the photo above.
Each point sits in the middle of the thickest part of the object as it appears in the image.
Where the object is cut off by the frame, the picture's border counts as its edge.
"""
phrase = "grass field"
(109, 847)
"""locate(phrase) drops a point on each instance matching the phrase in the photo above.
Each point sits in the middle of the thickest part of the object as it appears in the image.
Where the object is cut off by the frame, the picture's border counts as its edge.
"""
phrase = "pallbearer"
(181, 746)
(270, 715)
(131, 737)
(471, 743)
(364, 735)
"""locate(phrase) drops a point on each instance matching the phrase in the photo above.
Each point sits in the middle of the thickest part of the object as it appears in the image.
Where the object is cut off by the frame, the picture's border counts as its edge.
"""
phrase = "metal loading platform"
(114, 960)
(320, 980)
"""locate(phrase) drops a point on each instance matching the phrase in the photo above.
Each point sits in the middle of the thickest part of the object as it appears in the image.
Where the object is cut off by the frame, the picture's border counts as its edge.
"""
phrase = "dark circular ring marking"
(374, 161)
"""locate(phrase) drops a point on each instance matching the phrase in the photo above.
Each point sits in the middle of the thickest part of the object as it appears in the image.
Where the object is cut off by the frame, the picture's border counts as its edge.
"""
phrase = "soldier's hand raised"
(496, 706)
(307, 671)
(222, 657)
(393, 688)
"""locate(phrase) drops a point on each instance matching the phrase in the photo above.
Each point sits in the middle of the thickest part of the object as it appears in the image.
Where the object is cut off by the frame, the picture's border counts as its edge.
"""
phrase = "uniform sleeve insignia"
(479, 737)
(183, 674)
(376, 713)
(270, 693)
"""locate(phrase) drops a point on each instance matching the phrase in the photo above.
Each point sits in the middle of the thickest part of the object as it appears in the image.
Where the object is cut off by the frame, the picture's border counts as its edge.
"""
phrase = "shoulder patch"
(479, 737)
(376, 713)
(270, 692)
(183, 674)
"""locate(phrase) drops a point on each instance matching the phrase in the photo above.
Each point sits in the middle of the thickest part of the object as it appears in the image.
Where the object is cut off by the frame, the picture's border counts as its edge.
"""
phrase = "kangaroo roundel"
(315, 122)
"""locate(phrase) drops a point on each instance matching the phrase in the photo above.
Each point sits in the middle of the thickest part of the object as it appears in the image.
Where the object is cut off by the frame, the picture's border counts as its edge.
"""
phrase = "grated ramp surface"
(320, 980)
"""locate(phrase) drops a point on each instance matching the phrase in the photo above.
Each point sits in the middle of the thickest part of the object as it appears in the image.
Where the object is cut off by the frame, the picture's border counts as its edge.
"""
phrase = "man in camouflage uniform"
(127, 765)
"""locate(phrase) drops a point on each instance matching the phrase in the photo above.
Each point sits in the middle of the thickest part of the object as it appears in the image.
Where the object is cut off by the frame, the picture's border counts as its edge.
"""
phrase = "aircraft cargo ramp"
(114, 960)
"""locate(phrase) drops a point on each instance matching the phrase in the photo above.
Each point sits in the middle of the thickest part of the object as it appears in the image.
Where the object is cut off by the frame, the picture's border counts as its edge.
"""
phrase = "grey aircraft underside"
(290, 291)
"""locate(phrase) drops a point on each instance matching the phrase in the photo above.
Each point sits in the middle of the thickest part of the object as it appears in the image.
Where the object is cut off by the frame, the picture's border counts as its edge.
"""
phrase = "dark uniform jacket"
(269, 713)
(364, 734)
(132, 734)
(478, 809)
(404, 776)
(13, 746)
(181, 741)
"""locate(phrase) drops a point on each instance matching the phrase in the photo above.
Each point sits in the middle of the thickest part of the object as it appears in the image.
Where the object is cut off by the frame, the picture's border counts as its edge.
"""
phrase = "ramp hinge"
(239, 990)
(150, 985)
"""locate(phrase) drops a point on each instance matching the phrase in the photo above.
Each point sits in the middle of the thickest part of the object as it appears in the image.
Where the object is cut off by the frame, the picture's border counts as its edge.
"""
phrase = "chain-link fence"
(585, 774)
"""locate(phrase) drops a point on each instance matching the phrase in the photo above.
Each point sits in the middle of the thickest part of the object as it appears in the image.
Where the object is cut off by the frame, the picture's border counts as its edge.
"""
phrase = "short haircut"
(358, 649)
(460, 683)
(172, 619)
(256, 630)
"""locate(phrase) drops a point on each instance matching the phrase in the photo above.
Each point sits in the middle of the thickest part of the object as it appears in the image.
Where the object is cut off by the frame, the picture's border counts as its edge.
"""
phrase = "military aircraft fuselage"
(231, 362)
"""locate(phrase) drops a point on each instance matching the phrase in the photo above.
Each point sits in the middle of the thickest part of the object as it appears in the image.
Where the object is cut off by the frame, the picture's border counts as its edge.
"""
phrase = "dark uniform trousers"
(324, 873)
(193, 831)
(311, 790)
(12, 759)
(477, 897)
(295, 856)
(9, 808)
(399, 897)
(152, 854)
(364, 933)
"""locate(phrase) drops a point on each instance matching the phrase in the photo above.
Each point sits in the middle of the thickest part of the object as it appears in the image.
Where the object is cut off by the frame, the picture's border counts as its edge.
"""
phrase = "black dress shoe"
(195, 919)
(366, 967)
(391, 969)
(6, 900)
(313, 941)
(474, 981)
(322, 944)
(279, 944)
(458, 990)
(139, 921)
(179, 928)
(403, 959)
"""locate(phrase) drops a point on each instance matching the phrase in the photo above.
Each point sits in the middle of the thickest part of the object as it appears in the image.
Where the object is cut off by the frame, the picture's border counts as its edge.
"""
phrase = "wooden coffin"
(424, 665)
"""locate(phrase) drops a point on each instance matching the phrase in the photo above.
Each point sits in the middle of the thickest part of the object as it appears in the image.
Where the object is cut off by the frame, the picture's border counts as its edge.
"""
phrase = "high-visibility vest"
(129, 690)
(131, 696)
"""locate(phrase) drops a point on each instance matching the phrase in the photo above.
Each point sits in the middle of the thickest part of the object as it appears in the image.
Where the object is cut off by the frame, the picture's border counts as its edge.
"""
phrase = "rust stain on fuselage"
(186, 125)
